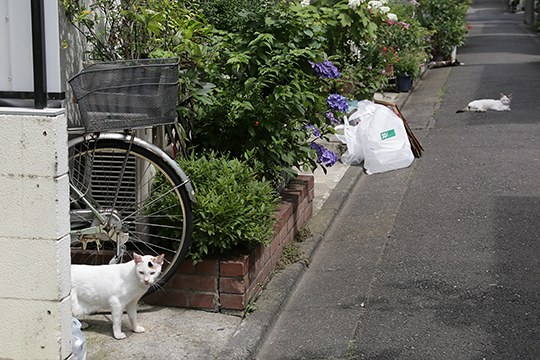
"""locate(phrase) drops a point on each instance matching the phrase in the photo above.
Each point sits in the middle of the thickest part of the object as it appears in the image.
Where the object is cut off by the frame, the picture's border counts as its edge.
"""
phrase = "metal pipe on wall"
(38, 51)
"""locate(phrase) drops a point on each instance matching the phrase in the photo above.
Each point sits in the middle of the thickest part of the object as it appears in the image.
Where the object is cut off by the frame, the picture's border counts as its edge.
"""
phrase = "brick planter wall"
(229, 284)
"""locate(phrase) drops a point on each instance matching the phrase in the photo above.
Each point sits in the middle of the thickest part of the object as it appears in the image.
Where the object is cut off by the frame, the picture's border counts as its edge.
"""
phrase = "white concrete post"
(35, 308)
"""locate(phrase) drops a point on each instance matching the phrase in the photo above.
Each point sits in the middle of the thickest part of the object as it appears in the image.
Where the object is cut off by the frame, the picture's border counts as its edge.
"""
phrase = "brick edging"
(229, 284)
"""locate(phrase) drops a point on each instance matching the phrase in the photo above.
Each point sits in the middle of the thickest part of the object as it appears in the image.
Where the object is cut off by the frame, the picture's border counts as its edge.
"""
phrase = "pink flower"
(404, 25)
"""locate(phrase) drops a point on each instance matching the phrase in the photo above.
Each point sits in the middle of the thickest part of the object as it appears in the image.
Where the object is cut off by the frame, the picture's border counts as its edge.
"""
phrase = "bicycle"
(126, 194)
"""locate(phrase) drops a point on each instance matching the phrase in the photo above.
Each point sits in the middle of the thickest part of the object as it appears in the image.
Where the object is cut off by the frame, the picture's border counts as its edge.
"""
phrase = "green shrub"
(231, 15)
(406, 33)
(266, 92)
(235, 209)
(446, 18)
(136, 29)
(351, 38)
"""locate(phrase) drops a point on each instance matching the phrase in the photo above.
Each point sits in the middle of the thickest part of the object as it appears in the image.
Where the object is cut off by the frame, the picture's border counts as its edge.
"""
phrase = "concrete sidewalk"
(173, 333)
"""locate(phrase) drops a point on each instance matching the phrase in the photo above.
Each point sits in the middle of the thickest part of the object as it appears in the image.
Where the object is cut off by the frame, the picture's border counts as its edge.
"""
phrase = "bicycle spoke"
(144, 204)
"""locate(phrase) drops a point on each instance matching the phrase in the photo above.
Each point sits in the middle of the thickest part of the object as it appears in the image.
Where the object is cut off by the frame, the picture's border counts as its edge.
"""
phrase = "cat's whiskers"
(158, 287)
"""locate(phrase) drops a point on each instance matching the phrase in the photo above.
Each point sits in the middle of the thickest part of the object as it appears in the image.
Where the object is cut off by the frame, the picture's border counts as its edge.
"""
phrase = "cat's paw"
(139, 329)
(120, 336)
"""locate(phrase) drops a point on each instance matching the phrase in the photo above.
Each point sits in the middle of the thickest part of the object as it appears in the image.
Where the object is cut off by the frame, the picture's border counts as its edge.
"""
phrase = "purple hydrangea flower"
(316, 132)
(325, 69)
(324, 156)
(328, 158)
(331, 117)
(337, 102)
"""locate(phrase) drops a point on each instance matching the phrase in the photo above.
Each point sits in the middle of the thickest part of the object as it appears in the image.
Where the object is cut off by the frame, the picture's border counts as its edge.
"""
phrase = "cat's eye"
(141, 272)
(153, 273)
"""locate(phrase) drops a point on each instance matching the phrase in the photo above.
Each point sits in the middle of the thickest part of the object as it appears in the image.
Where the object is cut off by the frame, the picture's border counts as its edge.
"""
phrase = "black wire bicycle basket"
(127, 94)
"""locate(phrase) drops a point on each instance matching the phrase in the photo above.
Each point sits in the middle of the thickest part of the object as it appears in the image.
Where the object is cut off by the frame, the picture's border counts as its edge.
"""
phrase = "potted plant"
(407, 69)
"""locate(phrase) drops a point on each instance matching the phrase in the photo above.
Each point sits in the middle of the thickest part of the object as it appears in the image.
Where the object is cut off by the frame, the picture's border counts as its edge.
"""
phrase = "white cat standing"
(115, 287)
(503, 104)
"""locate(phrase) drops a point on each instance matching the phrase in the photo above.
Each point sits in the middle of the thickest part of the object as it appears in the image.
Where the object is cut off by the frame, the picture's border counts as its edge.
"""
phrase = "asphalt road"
(440, 260)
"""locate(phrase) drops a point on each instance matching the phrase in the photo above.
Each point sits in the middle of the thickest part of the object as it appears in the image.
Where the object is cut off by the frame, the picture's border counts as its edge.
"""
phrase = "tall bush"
(135, 29)
(232, 15)
(266, 91)
(351, 29)
(446, 18)
(406, 33)
(407, 38)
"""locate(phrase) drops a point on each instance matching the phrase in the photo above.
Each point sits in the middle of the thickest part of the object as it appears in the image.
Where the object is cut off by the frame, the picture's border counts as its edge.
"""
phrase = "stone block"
(35, 329)
(37, 145)
(41, 271)
(34, 207)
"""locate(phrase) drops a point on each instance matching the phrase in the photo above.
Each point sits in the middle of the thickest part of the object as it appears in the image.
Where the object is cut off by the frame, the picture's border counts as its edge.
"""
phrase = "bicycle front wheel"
(126, 198)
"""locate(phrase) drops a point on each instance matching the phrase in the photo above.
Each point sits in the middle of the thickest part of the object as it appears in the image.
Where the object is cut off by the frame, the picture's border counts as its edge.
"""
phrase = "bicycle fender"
(127, 138)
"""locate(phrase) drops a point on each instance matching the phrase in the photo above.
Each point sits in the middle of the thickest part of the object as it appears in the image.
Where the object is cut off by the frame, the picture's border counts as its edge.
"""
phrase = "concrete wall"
(35, 307)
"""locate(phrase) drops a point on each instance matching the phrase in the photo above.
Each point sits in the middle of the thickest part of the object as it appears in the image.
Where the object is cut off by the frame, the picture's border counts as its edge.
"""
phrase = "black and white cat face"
(148, 268)
(505, 99)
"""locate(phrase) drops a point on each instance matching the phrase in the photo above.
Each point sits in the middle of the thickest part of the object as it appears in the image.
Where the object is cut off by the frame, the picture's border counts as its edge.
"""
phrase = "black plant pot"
(404, 83)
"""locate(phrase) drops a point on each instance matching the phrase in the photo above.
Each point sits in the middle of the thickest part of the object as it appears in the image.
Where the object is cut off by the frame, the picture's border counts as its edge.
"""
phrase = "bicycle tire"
(149, 183)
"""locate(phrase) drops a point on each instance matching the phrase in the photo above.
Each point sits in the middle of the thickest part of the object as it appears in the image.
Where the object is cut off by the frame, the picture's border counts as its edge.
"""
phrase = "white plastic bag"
(352, 138)
(384, 139)
(78, 342)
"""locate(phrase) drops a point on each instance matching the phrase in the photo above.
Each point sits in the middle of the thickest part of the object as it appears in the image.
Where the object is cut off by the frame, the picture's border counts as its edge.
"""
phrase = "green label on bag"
(388, 134)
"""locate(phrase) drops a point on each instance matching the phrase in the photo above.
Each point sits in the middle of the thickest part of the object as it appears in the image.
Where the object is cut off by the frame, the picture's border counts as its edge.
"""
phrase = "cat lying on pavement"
(503, 104)
(115, 287)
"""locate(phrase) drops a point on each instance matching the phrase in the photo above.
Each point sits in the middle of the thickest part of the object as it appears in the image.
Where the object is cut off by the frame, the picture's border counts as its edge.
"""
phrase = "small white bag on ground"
(384, 139)
(352, 138)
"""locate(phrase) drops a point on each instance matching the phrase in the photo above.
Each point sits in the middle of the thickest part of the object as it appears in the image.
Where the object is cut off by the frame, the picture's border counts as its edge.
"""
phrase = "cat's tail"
(462, 110)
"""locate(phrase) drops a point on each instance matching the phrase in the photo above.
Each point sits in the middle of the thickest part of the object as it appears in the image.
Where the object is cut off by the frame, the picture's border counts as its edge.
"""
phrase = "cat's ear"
(159, 259)
(137, 258)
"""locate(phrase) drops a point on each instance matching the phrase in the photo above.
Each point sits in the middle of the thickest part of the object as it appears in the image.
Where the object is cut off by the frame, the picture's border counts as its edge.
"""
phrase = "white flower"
(353, 4)
(392, 17)
(374, 4)
(355, 49)
(384, 9)
(305, 3)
